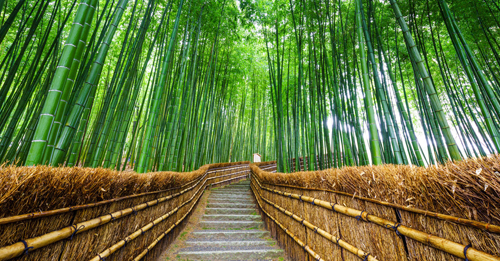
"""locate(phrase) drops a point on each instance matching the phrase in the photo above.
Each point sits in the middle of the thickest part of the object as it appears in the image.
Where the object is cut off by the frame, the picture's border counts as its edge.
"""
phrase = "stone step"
(246, 187)
(237, 190)
(229, 204)
(230, 196)
(231, 243)
(229, 234)
(207, 253)
(238, 186)
(230, 201)
(241, 211)
(232, 191)
(231, 224)
(225, 217)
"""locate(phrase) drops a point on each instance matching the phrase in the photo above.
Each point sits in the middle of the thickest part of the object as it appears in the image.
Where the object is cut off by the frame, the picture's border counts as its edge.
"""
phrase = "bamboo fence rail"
(40, 214)
(462, 239)
(295, 238)
(145, 228)
(146, 251)
(337, 240)
(81, 245)
(463, 221)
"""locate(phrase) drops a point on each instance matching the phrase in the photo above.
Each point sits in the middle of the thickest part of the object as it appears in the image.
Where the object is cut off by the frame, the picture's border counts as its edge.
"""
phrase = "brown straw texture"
(90, 210)
(465, 195)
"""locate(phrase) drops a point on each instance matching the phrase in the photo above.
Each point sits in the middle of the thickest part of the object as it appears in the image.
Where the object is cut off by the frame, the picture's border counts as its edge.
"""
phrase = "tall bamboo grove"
(172, 85)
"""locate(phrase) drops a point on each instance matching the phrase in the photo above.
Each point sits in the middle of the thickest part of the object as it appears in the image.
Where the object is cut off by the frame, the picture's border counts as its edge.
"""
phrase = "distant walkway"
(228, 229)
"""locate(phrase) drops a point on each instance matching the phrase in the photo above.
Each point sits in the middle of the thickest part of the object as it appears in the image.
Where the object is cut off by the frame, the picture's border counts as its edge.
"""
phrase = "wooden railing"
(335, 225)
(131, 227)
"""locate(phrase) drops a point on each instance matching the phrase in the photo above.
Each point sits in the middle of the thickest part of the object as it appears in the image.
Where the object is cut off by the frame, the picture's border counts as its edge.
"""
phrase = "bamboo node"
(26, 247)
(465, 251)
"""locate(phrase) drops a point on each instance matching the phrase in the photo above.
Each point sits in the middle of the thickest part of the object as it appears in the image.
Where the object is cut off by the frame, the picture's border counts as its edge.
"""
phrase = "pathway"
(228, 228)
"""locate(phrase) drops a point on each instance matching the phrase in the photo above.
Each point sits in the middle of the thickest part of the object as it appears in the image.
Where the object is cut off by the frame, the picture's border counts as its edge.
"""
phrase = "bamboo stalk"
(341, 243)
(443, 244)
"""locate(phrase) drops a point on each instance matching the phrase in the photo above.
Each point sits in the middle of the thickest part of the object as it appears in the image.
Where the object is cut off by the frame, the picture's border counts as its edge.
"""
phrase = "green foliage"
(282, 78)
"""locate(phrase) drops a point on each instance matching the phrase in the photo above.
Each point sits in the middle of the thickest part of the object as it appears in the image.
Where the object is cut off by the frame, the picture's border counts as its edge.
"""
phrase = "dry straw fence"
(390, 212)
(96, 214)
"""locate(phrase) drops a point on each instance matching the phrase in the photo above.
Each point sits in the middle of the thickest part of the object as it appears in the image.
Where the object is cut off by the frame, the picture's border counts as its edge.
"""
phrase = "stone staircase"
(228, 229)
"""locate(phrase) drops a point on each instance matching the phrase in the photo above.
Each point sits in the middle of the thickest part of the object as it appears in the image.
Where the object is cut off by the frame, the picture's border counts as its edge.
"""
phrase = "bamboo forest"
(158, 85)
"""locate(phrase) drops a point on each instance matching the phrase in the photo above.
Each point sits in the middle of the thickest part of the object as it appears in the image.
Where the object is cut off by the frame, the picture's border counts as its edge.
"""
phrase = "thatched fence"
(95, 214)
(390, 212)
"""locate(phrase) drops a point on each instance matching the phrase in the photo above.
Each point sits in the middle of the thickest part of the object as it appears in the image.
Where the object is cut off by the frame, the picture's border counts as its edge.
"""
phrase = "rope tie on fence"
(302, 222)
(157, 201)
(147, 204)
(395, 227)
(465, 251)
(113, 218)
(101, 258)
(76, 230)
(300, 197)
(360, 216)
(313, 201)
(134, 211)
(126, 241)
(316, 230)
(333, 207)
(26, 247)
(366, 257)
(338, 239)
(142, 231)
